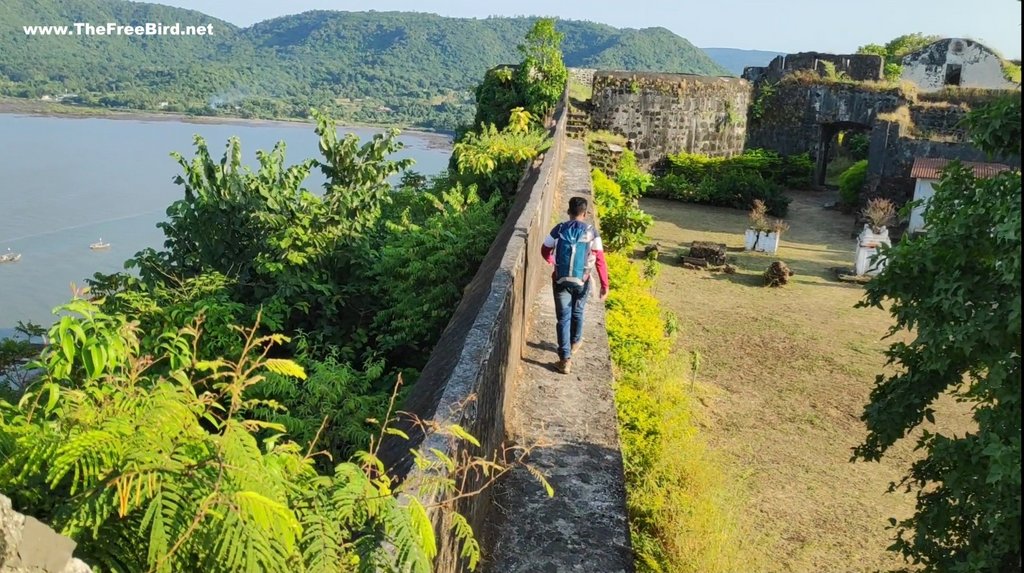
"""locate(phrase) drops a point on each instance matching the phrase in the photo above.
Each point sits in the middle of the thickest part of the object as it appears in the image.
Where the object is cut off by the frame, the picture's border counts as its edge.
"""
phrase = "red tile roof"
(927, 168)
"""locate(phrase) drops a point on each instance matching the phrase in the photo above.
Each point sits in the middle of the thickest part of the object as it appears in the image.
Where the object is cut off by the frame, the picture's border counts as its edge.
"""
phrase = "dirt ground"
(784, 378)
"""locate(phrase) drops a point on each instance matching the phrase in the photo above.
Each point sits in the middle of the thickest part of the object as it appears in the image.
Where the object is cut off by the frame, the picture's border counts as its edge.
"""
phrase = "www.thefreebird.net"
(115, 29)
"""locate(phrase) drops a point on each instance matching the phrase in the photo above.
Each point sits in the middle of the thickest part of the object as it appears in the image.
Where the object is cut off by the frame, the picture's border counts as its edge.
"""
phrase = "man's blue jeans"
(570, 301)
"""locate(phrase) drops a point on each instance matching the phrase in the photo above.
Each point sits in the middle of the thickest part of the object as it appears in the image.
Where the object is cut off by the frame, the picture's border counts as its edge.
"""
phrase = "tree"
(958, 288)
(542, 70)
(894, 50)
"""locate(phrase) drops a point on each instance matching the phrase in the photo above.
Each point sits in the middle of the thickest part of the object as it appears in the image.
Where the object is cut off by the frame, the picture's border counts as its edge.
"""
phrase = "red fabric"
(548, 253)
(602, 269)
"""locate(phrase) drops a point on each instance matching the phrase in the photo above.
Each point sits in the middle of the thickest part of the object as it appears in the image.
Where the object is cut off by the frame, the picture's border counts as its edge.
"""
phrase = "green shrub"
(623, 223)
(857, 144)
(631, 178)
(682, 510)
(851, 182)
(796, 171)
(734, 181)
(151, 471)
(449, 243)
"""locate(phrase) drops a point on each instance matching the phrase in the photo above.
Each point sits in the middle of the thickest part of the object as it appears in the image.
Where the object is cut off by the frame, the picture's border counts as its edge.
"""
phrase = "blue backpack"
(572, 249)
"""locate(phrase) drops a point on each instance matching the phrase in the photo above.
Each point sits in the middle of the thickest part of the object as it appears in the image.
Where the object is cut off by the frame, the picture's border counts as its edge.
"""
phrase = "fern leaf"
(464, 535)
(286, 368)
(460, 432)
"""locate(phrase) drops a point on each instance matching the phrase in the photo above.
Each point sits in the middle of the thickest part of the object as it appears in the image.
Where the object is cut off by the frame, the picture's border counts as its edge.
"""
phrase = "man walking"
(574, 248)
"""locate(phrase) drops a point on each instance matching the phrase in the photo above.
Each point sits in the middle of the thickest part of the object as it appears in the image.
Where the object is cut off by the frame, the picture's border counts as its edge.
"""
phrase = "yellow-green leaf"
(460, 432)
(286, 368)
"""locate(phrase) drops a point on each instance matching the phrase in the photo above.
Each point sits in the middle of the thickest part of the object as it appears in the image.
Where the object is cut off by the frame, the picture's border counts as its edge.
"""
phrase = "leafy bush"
(794, 171)
(414, 305)
(734, 181)
(148, 471)
(851, 182)
(493, 160)
(631, 178)
(739, 189)
(623, 223)
(330, 407)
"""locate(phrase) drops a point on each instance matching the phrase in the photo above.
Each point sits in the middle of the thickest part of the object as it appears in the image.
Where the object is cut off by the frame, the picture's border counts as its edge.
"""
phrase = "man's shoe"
(576, 346)
(565, 366)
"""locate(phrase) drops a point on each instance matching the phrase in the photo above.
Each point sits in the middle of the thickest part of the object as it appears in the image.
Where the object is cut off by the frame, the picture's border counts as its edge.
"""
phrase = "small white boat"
(10, 257)
(99, 245)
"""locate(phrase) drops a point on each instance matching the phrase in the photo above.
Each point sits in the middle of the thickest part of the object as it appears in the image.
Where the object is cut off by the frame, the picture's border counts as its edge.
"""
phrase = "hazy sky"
(780, 25)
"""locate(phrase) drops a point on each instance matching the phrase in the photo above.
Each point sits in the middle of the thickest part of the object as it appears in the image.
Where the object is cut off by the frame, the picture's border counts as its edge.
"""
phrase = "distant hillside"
(375, 67)
(735, 60)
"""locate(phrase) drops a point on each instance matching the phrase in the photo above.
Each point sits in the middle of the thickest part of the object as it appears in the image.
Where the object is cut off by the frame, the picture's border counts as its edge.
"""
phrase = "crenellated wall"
(668, 113)
(856, 67)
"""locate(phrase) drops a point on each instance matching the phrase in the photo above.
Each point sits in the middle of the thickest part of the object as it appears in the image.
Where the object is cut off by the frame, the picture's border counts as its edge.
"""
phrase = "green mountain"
(374, 67)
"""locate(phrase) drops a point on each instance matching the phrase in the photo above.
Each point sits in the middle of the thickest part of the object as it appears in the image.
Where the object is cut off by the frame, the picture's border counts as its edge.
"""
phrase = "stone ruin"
(29, 546)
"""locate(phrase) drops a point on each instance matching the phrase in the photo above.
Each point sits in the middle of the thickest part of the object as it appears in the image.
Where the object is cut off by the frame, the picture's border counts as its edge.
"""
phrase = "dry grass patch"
(791, 369)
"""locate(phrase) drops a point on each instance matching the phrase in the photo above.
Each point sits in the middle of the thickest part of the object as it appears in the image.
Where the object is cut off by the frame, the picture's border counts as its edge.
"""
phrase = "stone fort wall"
(670, 113)
(29, 546)
(475, 364)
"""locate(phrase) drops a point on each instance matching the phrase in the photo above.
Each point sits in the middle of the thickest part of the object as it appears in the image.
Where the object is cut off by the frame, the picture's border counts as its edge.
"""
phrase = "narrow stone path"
(583, 527)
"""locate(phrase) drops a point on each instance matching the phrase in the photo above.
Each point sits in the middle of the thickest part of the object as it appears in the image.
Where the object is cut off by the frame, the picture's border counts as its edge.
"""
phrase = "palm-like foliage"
(162, 469)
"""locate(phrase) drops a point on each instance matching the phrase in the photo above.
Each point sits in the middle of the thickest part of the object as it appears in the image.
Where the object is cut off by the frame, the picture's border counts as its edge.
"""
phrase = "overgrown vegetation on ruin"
(165, 434)
(892, 52)
(535, 85)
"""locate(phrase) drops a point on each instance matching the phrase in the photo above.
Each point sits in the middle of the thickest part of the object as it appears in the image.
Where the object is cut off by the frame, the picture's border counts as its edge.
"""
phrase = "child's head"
(577, 207)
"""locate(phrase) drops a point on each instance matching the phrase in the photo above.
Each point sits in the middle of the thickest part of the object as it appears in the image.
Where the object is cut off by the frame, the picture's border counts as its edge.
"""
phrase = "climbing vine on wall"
(764, 94)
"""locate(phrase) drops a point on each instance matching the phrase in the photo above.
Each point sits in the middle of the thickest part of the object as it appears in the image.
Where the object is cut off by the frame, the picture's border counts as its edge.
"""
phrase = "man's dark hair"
(577, 206)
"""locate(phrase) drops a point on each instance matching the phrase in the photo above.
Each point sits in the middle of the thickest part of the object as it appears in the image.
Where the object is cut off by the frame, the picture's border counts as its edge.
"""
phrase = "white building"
(955, 62)
(928, 171)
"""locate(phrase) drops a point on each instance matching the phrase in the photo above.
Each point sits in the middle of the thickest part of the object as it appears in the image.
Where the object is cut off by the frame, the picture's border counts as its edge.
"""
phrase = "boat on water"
(10, 257)
(99, 245)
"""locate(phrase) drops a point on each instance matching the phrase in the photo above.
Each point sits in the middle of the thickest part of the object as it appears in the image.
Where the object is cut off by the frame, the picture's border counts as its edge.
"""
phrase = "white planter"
(761, 242)
(866, 261)
(750, 239)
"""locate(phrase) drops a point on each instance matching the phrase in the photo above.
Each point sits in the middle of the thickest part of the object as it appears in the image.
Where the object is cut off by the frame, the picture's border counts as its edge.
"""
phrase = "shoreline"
(38, 108)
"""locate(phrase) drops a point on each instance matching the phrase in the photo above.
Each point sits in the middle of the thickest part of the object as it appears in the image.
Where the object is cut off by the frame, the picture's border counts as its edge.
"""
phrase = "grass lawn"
(784, 378)
(580, 91)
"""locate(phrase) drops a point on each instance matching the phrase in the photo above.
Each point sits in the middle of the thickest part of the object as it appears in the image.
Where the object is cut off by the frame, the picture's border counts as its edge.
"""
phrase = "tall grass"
(683, 508)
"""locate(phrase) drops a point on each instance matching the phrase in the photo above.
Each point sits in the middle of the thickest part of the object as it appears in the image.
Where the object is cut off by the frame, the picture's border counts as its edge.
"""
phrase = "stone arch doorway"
(829, 134)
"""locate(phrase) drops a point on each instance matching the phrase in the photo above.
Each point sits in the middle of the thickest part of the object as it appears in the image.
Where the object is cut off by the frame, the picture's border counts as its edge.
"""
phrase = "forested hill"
(377, 67)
